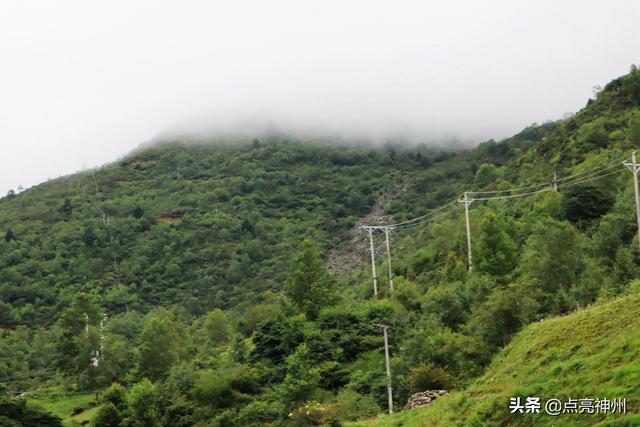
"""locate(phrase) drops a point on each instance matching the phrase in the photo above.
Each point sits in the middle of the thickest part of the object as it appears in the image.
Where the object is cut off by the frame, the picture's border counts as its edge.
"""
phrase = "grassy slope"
(63, 406)
(86, 415)
(593, 353)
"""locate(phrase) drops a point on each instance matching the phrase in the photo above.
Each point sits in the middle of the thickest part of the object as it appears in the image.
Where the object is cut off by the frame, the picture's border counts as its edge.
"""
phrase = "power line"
(597, 172)
(567, 184)
(570, 184)
(26, 375)
(449, 212)
(616, 161)
(19, 380)
(591, 171)
(336, 242)
(511, 196)
(432, 212)
(511, 190)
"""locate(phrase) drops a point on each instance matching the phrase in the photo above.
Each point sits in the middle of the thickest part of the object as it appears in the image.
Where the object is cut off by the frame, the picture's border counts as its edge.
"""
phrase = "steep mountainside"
(200, 225)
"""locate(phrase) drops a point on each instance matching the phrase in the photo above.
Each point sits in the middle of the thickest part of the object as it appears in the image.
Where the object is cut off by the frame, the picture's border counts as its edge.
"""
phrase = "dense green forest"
(187, 284)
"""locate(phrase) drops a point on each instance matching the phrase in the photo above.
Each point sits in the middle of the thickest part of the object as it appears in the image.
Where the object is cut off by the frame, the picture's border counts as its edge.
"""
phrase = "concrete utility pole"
(96, 182)
(387, 230)
(93, 361)
(555, 181)
(102, 322)
(466, 202)
(386, 235)
(373, 260)
(634, 167)
(388, 363)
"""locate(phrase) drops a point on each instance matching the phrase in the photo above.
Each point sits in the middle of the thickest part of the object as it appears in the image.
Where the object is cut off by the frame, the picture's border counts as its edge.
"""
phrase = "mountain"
(223, 282)
(201, 225)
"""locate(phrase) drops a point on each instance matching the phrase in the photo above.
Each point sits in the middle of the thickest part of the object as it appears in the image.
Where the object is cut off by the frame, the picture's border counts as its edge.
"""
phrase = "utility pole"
(555, 181)
(388, 364)
(466, 202)
(386, 235)
(633, 166)
(96, 182)
(373, 260)
(102, 322)
(93, 360)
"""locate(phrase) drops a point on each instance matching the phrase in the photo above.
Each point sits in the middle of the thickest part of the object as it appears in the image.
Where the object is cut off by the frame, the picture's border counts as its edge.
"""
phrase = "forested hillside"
(207, 259)
(200, 225)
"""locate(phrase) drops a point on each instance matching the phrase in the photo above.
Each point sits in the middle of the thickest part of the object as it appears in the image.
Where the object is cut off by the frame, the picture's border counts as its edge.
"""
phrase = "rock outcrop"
(423, 399)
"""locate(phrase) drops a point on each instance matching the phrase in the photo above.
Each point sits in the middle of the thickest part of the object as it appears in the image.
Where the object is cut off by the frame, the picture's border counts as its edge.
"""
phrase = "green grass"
(592, 353)
(62, 405)
(87, 415)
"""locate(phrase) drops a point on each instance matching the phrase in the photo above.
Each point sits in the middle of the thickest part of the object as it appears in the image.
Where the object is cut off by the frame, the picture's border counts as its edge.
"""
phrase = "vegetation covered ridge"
(208, 262)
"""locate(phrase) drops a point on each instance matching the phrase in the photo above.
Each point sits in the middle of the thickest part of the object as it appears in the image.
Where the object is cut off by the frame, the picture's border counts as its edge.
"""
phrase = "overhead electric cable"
(592, 171)
(586, 178)
(443, 214)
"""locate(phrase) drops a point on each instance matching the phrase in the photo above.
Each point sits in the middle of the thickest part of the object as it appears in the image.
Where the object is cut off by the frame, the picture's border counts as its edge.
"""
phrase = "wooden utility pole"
(386, 235)
(634, 167)
(466, 202)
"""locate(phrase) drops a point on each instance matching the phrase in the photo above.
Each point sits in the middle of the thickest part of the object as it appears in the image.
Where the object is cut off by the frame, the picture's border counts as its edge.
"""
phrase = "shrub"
(429, 377)
(259, 413)
(107, 416)
(116, 395)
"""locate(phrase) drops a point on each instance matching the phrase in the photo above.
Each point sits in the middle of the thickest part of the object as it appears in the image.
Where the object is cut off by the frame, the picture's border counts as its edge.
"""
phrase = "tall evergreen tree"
(309, 285)
(158, 349)
(495, 250)
(66, 209)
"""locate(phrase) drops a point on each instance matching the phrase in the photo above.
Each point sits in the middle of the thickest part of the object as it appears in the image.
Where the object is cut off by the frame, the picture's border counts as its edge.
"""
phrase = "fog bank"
(83, 83)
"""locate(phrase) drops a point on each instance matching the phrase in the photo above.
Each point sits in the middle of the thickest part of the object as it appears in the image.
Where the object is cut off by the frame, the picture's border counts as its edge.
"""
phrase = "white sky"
(84, 82)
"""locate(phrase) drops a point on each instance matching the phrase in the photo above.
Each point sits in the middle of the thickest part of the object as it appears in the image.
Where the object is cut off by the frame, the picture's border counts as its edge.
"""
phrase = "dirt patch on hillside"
(352, 253)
